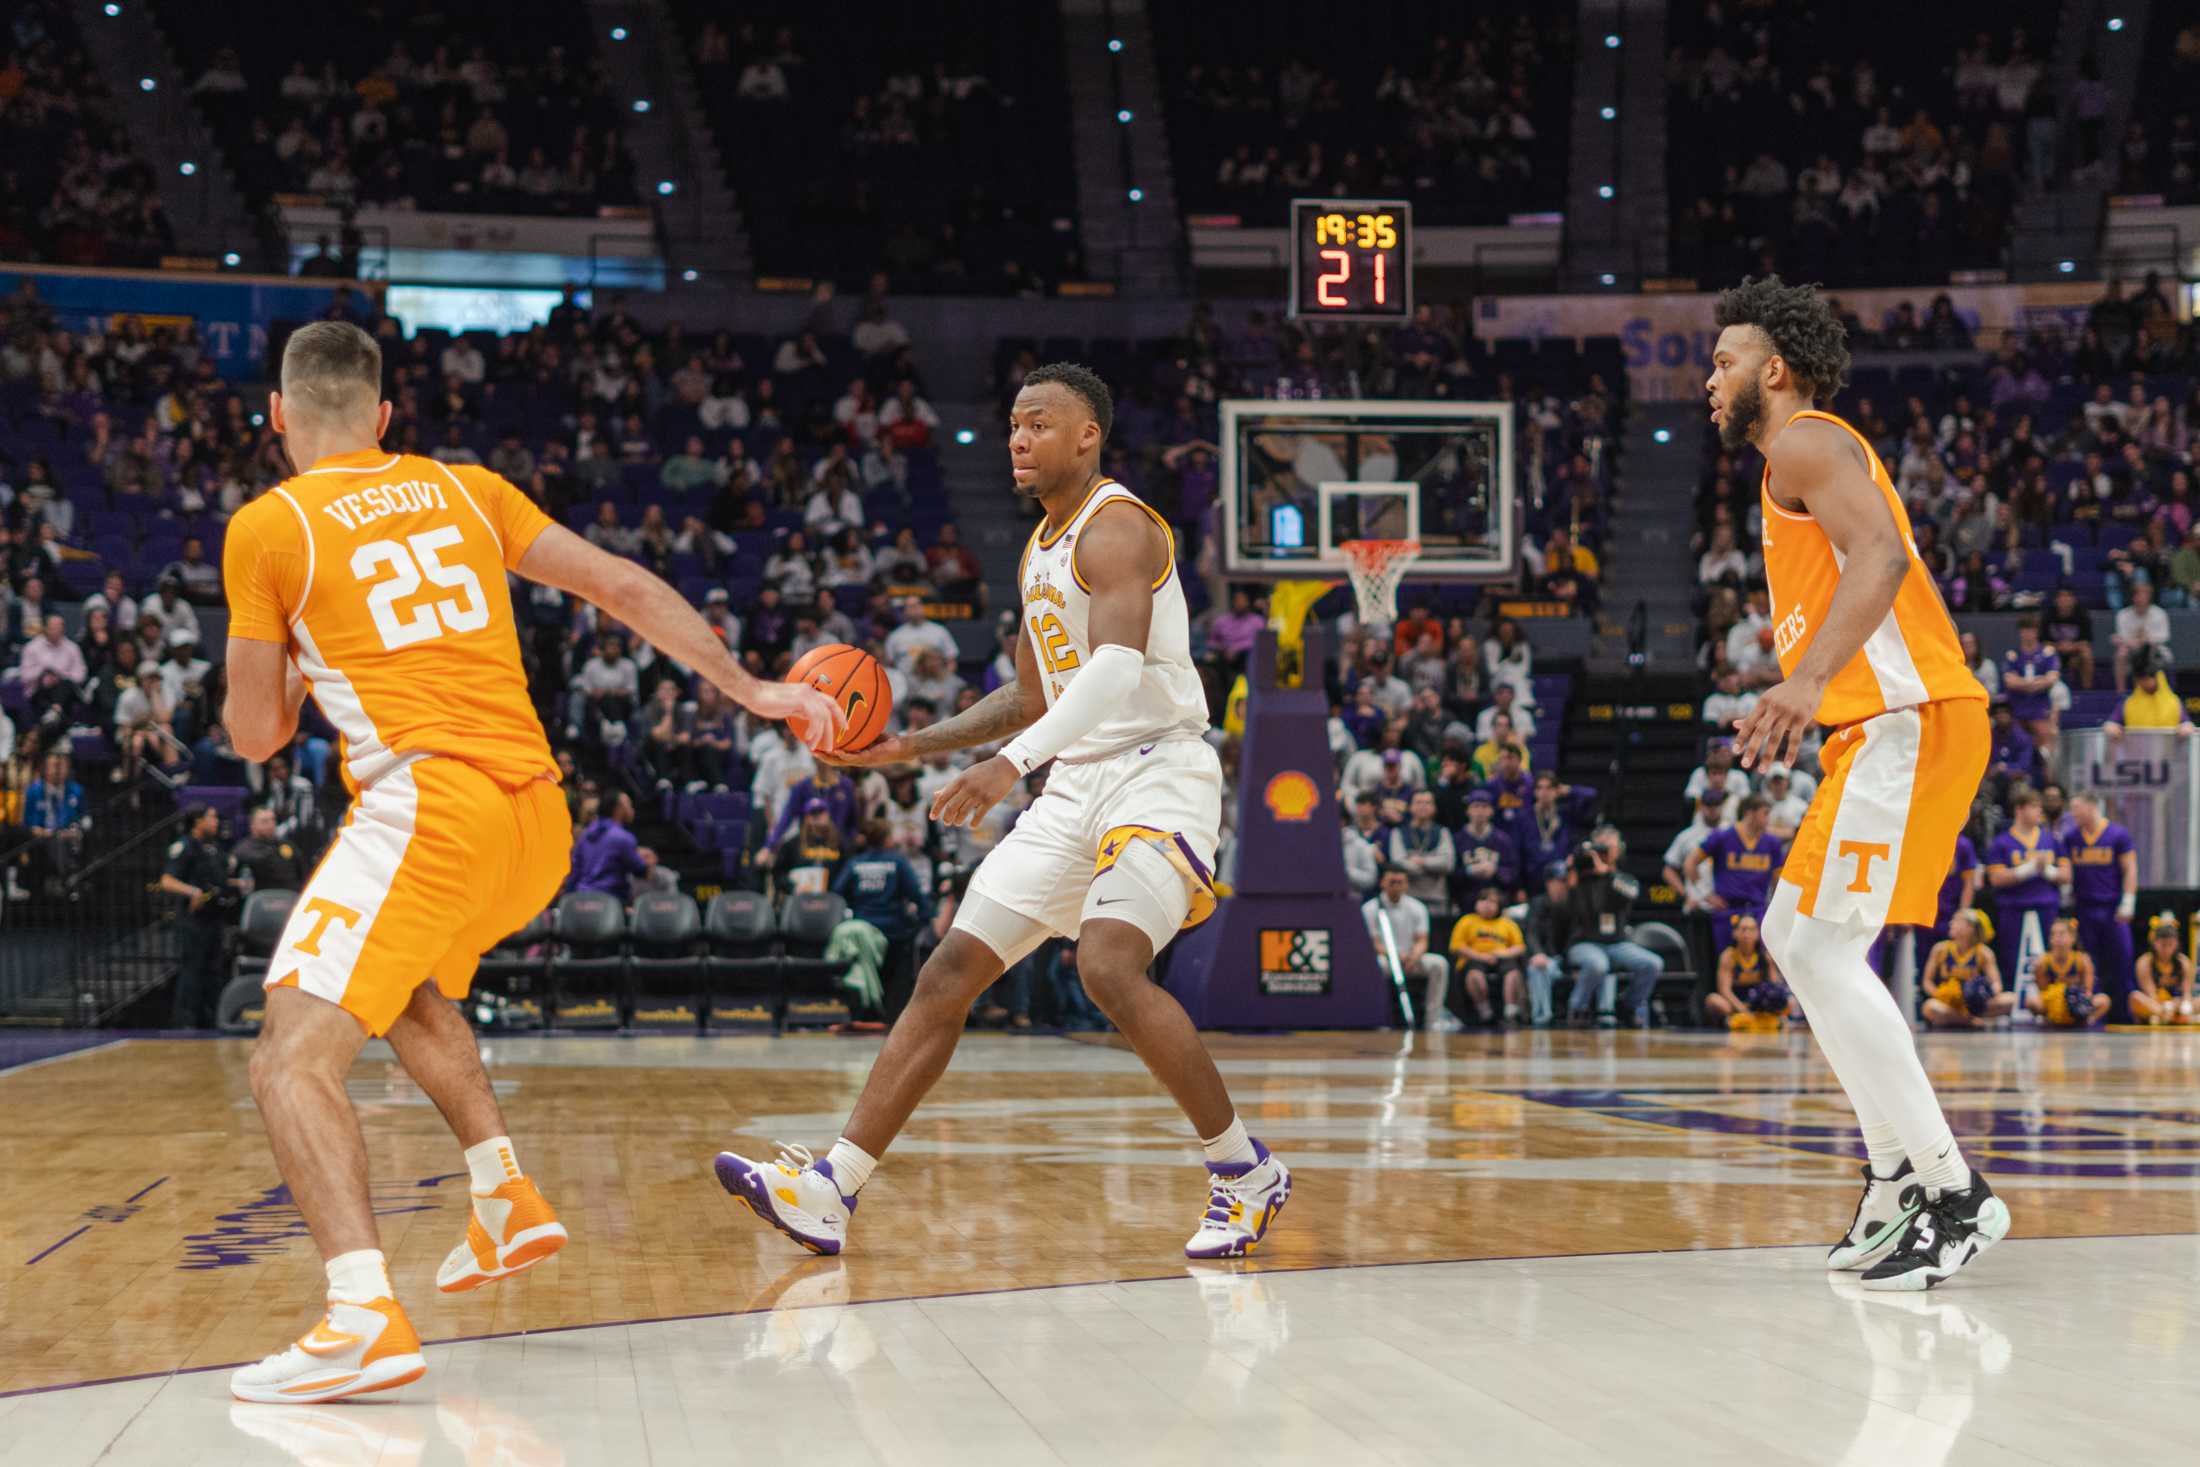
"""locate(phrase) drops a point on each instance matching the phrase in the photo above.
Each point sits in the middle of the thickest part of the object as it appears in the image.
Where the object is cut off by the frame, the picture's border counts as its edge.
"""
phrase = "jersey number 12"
(411, 559)
(1054, 648)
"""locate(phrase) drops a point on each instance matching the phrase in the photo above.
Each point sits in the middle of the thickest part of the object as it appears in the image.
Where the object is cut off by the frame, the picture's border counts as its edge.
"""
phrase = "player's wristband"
(2127, 907)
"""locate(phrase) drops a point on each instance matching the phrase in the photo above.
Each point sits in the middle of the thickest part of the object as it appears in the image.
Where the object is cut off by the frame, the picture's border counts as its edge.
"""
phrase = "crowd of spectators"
(944, 153)
(451, 113)
(73, 189)
(1799, 142)
(1285, 103)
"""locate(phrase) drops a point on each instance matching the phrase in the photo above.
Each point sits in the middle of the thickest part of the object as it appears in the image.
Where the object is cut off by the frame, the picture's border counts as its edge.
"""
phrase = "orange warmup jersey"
(385, 576)
(1912, 658)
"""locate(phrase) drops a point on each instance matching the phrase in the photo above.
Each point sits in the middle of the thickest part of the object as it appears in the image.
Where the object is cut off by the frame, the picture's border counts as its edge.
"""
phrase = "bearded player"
(1116, 853)
(1867, 648)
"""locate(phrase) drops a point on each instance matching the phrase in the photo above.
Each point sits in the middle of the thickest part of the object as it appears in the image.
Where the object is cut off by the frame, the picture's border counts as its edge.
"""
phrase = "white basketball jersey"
(1170, 701)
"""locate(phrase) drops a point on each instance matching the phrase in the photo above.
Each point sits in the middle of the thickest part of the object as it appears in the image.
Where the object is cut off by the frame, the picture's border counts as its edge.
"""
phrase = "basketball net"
(1376, 567)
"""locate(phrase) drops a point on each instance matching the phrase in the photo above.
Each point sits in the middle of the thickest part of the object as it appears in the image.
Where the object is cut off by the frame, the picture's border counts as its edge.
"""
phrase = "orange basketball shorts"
(435, 865)
(1877, 840)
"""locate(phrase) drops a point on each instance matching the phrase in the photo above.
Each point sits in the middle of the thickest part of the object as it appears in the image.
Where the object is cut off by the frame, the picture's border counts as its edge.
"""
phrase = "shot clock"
(1352, 259)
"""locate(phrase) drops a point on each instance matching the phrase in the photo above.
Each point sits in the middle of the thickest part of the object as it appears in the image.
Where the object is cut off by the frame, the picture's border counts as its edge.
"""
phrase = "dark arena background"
(1407, 314)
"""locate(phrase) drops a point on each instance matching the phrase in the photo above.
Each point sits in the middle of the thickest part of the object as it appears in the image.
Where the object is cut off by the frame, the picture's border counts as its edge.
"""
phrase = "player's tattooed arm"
(1000, 715)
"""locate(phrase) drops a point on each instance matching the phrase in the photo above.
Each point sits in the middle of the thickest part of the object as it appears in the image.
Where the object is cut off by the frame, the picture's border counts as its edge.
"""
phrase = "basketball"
(852, 678)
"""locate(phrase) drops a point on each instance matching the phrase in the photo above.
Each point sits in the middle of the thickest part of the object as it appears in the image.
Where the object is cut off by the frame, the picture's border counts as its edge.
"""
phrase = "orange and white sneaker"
(511, 1229)
(355, 1349)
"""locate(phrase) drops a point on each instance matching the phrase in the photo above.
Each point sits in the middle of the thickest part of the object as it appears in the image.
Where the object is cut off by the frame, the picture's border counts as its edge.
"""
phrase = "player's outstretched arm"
(662, 616)
(1001, 714)
(1817, 464)
(1120, 555)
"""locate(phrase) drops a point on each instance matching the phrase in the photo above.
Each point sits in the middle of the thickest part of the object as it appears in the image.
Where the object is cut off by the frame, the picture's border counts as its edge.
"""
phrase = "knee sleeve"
(1012, 935)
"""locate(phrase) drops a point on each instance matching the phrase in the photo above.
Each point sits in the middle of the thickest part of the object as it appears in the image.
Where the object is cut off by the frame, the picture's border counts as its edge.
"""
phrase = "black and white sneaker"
(1882, 1212)
(1950, 1230)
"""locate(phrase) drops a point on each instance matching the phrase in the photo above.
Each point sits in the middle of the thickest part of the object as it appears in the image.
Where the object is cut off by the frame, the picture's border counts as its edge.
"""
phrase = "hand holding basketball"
(815, 718)
(852, 680)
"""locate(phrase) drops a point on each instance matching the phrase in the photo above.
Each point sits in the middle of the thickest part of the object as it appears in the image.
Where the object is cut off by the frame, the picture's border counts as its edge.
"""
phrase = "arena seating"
(439, 108)
(74, 189)
(1797, 141)
(1401, 98)
(940, 152)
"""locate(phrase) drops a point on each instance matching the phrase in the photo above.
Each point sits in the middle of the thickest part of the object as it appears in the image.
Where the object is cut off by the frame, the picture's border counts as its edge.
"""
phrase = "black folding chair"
(813, 981)
(747, 991)
(1676, 988)
(588, 971)
(666, 969)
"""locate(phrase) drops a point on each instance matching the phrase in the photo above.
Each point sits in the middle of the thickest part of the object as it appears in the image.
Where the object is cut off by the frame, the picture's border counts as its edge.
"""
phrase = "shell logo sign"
(1291, 796)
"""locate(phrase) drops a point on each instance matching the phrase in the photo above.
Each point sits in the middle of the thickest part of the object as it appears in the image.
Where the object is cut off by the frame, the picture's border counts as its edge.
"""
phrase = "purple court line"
(135, 1195)
(55, 1248)
(1157, 1278)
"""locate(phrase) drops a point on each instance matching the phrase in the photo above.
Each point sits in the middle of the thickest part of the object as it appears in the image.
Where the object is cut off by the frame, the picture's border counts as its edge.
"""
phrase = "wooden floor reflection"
(144, 1229)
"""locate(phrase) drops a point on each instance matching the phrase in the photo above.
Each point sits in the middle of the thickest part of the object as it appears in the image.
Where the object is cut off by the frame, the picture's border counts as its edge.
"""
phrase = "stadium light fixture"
(1604, 190)
(1115, 45)
(2115, 22)
(1608, 278)
(232, 259)
(1608, 113)
(1138, 196)
(1611, 40)
(664, 188)
(187, 168)
(147, 84)
(1662, 435)
(965, 437)
(641, 104)
(689, 276)
(112, 9)
(618, 33)
(1122, 114)
(2068, 267)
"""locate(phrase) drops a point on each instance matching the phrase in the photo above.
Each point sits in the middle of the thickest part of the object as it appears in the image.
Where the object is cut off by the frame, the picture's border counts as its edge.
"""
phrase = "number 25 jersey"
(384, 575)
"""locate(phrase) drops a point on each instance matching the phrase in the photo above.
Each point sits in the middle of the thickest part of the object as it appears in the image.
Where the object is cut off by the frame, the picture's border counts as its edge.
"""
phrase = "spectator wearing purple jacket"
(827, 784)
(2030, 672)
(607, 857)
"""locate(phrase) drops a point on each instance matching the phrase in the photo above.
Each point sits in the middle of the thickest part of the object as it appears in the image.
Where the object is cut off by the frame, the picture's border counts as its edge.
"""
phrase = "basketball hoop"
(1376, 567)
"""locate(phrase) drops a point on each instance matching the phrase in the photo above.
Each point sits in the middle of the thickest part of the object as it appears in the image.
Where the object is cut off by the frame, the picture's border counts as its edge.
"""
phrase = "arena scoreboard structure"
(1352, 259)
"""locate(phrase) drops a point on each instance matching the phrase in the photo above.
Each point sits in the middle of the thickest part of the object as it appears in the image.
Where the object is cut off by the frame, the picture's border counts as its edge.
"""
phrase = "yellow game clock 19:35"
(1352, 259)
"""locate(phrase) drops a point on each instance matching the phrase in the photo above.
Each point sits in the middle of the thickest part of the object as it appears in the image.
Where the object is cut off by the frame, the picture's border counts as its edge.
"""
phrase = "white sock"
(851, 1166)
(1232, 1147)
(492, 1163)
(1947, 1172)
(359, 1277)
(1885, 1147)
(1863, 1034)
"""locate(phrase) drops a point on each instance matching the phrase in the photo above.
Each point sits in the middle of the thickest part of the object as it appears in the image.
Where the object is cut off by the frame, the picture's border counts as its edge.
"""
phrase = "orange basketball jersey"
(1912, 658)
(384, 574)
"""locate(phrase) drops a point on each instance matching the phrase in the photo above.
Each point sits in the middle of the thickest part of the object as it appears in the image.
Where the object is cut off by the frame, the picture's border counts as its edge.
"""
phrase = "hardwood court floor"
(144, 1233)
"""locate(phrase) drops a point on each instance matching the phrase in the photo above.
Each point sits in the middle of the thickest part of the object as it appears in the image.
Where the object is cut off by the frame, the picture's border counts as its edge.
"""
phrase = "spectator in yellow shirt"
(2153, 704)
(1501, 737)
(1484, 942)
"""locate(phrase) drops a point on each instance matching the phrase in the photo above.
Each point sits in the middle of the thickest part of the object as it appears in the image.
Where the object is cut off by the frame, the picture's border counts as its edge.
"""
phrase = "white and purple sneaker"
(1243, 1198)
(797, 1194)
